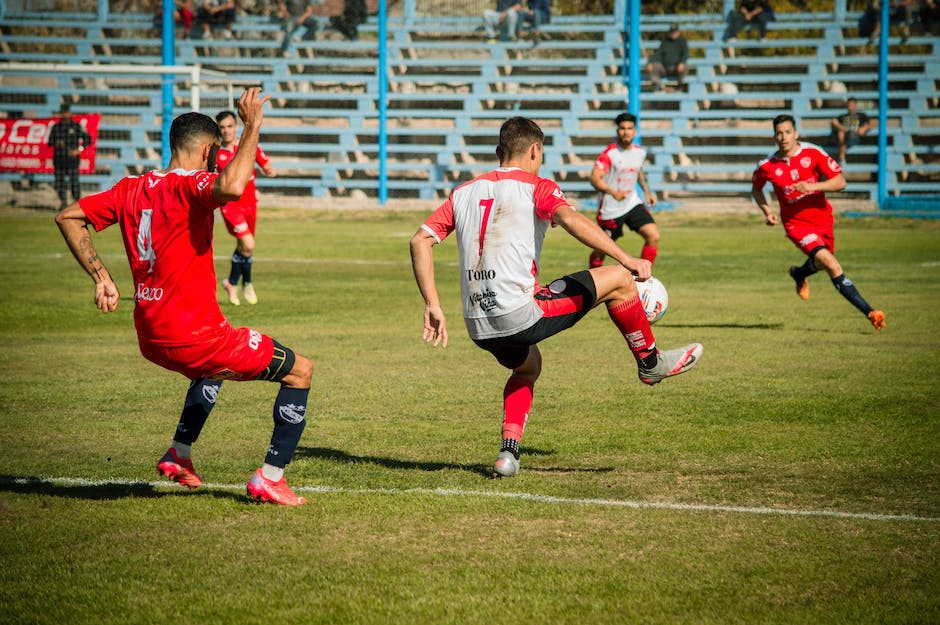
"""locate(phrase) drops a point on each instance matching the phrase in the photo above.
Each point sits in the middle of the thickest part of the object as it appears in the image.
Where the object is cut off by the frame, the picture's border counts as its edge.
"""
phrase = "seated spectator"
(538, 13)
(899, 12)
(670, 58)
(848, 128)
(296, 16)
(929, 14)
(505, 18)
(182, 15)
(216, 13)
(347, 23)
(751, 13)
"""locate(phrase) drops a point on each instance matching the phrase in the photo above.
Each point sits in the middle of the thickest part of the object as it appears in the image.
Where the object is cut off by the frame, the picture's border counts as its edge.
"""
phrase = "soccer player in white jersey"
(617, 171)
(500, 220)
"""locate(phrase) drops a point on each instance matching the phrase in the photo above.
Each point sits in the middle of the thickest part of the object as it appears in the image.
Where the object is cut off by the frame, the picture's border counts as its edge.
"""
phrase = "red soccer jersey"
(166, 221)
(225, 156)
(809, 164)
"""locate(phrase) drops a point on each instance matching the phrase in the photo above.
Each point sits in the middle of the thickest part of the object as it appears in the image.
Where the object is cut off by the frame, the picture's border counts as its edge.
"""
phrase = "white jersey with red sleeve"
(500, 219)
(621, 169)
(225, 156)
(166, 221)
(810, 163)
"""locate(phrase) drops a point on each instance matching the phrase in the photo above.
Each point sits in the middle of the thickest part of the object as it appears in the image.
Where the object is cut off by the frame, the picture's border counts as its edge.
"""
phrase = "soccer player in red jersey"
(617, 171)
(166, 222)
(500, 220)
(801, 174)
(241, 215)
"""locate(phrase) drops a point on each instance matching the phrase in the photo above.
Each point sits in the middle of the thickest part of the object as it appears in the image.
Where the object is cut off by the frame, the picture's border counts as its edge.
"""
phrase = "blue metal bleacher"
(449, 90)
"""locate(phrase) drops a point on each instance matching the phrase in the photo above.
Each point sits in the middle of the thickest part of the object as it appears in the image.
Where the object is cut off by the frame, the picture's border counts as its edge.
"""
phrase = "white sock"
(182, 449)
(271, 472)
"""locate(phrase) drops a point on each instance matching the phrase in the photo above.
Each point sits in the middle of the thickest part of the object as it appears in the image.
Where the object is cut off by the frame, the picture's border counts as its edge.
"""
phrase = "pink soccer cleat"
(262, 489)
(178, 469)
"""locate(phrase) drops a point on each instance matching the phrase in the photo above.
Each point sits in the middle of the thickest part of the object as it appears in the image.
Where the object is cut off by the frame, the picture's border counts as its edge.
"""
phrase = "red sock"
(649, 253)
(630, 319)
(595, 261)
(517, 399)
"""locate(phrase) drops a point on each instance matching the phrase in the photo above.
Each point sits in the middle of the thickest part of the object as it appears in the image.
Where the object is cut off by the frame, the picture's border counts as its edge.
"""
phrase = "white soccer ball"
(654, 298)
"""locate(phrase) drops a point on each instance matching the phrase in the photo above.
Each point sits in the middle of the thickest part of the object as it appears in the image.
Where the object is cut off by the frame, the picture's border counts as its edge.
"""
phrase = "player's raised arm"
(422, 263)
(590, 234)
(74, 227)
(231, 183)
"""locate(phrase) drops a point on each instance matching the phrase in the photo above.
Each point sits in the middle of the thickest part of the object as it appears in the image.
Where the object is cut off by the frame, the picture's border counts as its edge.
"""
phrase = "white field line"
(457, 492)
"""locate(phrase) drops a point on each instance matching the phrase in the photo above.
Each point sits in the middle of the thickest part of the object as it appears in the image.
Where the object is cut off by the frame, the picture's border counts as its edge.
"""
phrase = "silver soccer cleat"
(672, 362)
(506, 465)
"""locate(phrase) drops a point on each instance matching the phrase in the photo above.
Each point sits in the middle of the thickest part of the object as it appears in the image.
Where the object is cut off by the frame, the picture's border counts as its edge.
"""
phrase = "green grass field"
(793, 477)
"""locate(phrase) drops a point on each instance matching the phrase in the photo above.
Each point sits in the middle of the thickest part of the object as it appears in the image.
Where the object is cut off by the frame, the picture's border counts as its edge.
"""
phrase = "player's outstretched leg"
(176, 463)
(847, 289)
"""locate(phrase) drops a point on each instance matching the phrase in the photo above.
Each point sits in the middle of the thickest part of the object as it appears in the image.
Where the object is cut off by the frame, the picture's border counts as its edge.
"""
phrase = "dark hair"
(223, 115)
(516, 135)
(779, 119)
(189, 128)
(851, 100)
(625, 117)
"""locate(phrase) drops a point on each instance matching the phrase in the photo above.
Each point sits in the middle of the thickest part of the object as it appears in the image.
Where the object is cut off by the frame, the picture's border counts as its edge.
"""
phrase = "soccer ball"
(654, 299)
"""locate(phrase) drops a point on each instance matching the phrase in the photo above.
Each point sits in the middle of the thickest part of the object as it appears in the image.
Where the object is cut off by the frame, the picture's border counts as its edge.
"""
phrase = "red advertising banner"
(24, 144)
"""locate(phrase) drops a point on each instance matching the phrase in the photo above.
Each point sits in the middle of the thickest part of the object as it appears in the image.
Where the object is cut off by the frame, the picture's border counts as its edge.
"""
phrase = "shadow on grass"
(337, 455)
(737, 326)
(104, 491)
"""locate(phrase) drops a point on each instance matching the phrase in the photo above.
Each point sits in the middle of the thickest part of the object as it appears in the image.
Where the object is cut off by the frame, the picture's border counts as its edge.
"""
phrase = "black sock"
(246, 269)
(805, 270)
(238, 264)
(650, 360)
(290, 410)
(200, 400)
(511, 444)
(847, 288)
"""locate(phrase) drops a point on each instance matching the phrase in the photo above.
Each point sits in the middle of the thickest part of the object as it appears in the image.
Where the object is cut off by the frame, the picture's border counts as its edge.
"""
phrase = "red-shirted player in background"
(801, 174)
(241, 215)
(166, 221)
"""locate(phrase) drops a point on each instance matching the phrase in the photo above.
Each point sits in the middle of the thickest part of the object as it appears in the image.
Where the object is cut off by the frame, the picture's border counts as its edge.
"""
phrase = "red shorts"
(235, 354)
(239, 219)
(809, 234)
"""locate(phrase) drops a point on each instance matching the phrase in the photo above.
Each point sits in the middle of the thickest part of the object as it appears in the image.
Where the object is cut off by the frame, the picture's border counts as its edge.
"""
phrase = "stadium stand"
(448, 92)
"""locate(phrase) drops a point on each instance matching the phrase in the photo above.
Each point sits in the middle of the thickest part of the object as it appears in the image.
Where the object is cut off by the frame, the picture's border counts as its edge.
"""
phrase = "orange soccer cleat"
(802, 286)
(877, 319)
(178, 469)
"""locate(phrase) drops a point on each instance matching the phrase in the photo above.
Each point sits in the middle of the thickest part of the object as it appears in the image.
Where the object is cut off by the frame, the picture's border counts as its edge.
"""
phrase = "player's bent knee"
(301, 374)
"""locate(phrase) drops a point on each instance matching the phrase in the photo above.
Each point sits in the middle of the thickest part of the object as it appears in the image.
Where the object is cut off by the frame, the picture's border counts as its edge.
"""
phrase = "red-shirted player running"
(500, 220)
(240, 215)
(801, 174)
(166, 221)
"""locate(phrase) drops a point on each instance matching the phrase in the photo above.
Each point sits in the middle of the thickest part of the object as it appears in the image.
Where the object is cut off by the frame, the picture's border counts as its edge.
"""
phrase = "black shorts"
(635, 218)
(564, 302)
(282, 362)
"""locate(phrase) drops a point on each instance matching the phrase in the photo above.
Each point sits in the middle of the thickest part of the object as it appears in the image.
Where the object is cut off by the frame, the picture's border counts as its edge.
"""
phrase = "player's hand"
(640, 267)
(771, 219)
(435, 326)
(106, 296)
(651, 200)
(804, 187)
(251, 106)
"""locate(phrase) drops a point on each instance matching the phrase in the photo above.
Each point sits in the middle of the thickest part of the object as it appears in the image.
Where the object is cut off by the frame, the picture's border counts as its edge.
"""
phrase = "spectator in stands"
(848, 128)
(182, 15)
(751, 13)
(354, 13)
(216, 13)
(670, 58)
(296, 16)
(929, 14)
(67, 138)
(900, 12)
(538, 13)
(505, 19)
